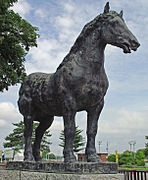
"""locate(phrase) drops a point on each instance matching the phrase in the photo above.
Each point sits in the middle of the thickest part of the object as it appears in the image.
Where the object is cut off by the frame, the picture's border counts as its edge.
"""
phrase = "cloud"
(46, 57)
(64, 22)
(69, 7)
(22, 7)
(41, 13)
(123, 121)
(9, 113)
(2, 123)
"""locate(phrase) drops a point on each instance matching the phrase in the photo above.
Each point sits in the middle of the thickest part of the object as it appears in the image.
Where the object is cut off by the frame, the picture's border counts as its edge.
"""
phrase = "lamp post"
(99, 142)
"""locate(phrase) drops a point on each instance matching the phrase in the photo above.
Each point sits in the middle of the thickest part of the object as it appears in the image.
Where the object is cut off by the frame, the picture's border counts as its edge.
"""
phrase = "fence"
(134, 174)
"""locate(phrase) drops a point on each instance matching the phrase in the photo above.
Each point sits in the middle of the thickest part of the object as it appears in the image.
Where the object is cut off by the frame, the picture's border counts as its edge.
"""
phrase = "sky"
(125, 114)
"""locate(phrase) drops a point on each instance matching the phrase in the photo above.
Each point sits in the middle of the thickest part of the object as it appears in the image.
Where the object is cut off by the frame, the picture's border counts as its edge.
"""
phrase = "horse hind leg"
(28, 123)
(45, 123)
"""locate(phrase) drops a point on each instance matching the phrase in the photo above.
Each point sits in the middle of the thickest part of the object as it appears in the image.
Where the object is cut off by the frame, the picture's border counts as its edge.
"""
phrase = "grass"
(134, 168)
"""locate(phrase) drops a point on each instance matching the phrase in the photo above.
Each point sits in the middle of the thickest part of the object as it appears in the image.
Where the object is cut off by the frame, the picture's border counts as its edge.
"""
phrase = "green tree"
(78, 140)
(140, 157)
(15, 140)
(51, 156)
(112, 158)
(126, 158)
(16, 37)
(146, 148)
(146, 152)
(129, 158)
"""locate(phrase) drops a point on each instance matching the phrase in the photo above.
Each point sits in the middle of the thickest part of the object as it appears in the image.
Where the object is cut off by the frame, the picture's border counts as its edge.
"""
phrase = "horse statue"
(79, 83)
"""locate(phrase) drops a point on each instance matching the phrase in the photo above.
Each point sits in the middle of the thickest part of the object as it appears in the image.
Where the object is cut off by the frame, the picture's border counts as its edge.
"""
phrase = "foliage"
(128, 158)
(140, 157)
(78, 140)
(146, 152)
(15, 140)
(5, 4)
(146, 148)
(112, 158)
(16, 38)
(51, 156)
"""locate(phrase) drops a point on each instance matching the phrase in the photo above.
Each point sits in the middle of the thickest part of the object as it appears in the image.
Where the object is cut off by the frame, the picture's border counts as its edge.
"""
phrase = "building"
(103, 156)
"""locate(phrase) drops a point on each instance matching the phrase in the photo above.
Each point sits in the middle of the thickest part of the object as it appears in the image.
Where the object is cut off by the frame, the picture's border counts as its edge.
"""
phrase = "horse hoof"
(38, 159)
(70, 159)
(93, 158)
(29, 159)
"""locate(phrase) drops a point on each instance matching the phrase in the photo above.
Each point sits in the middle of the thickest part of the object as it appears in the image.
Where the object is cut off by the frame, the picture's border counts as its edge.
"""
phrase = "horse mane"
(88, 28)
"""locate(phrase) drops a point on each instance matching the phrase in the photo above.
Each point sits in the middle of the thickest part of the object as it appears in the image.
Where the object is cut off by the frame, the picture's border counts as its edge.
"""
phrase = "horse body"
(80, 83)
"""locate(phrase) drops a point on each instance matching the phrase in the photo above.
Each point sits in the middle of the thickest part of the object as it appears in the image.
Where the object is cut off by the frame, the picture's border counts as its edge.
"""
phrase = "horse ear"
(106, 8)
(121, 14)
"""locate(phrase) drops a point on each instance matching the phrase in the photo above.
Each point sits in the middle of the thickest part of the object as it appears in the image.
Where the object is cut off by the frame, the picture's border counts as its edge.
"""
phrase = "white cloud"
(46, 57)
(41, 13)
(69, 7)
(57, 124)
(2, 123)
(22, 7)
(123, 121)
(9, 113)
(64, 22)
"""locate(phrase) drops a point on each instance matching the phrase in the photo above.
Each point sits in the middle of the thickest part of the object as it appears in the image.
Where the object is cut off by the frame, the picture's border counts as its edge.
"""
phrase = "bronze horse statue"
(79, 83)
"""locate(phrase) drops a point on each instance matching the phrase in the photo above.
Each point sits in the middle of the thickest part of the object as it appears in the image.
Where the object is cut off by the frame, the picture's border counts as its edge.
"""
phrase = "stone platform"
(61, 167)
(28, 175)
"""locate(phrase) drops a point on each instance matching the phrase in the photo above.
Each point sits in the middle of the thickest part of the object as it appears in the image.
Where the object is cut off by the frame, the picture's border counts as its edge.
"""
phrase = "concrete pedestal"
(61, 167)
(60, 171)
(26, 175)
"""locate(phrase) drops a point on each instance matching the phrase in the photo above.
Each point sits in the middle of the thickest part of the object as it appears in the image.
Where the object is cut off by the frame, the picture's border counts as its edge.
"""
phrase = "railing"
(134, 174)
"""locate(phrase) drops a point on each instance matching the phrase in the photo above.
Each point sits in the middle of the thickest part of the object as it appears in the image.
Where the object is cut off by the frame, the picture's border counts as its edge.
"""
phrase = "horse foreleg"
(28, 123)
(39, 132)
(92, 126)
(69, 133)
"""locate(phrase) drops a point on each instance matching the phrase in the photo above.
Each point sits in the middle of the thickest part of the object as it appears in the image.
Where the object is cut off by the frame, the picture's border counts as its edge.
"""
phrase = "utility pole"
(132, 145)
(99, 142)
(107, 147)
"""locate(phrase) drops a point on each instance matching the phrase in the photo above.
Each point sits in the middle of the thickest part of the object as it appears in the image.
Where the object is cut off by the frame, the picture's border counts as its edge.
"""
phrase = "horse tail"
(24, 96)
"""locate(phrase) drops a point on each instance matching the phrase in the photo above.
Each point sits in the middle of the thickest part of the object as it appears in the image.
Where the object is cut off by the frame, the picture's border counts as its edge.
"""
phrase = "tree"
(78, 140)
(15, 140)
(126, 158)
(129, 158)
(146, 137)
(140, 157)
(146, 148)
(16, 37)
(51, 156)
(112, 158)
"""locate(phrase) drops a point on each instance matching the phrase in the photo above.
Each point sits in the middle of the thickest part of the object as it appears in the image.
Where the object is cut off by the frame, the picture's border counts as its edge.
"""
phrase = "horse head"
(114, 31)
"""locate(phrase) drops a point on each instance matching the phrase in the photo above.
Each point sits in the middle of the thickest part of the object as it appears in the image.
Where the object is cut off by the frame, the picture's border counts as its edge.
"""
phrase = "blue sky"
(124, 117)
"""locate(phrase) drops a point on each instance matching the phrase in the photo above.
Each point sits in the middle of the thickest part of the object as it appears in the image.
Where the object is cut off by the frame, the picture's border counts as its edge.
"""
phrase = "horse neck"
(86, 51)
(91, 50)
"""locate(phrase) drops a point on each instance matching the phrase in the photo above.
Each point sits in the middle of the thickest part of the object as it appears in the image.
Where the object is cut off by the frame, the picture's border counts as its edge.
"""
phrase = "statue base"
(61, 167)
(29, 175)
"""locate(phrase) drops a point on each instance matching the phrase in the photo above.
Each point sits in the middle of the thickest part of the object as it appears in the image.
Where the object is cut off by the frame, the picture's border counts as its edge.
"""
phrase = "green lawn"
(135, 168)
